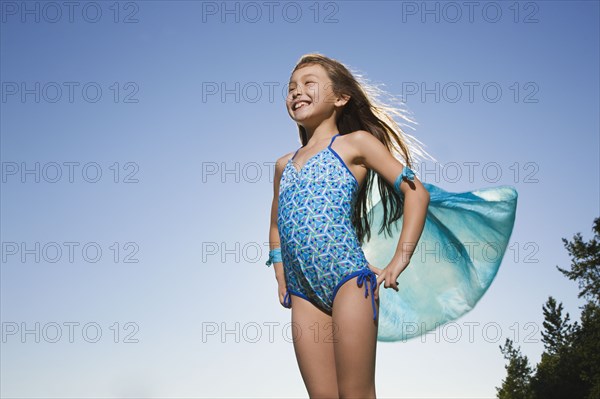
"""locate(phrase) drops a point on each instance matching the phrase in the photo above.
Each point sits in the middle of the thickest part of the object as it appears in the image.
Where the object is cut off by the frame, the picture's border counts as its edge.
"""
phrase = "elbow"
(273, 225)
(420, 196)
(425, 198)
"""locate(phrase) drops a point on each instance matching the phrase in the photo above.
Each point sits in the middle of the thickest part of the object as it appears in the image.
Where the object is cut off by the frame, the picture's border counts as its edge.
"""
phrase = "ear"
(342, 100)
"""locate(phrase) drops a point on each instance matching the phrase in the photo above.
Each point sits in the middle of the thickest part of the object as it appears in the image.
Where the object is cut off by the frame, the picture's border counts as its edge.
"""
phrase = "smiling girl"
(320, 217)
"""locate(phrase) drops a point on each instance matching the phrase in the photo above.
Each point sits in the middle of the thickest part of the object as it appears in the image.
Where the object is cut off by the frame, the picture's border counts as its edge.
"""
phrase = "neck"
(321, 133)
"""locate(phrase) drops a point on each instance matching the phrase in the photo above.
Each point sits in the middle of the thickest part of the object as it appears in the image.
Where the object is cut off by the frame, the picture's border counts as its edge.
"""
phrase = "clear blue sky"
(185, 133)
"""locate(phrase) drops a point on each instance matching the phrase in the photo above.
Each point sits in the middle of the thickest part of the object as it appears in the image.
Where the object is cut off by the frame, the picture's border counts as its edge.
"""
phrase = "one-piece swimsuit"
(319, 245)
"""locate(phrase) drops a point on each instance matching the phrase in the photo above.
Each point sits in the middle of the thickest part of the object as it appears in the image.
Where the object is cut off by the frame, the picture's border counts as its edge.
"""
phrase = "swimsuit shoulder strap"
(330, 143)
(332, 139)
(295, 153)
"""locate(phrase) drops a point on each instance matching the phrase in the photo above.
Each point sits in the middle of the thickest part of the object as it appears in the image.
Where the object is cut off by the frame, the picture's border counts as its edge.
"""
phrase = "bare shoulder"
(284, 158)
(359, 141)
(282, 161)
(360, 137)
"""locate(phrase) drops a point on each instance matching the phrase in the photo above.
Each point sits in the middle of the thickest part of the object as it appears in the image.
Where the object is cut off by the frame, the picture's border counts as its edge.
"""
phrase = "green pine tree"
(570, 364)
(587, 343)
(558, 331)
(516, 385)
(585, 264)
(557, 375)
(585, 269)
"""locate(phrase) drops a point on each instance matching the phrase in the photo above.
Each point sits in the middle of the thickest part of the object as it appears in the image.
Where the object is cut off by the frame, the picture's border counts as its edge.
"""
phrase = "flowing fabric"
(453, 264)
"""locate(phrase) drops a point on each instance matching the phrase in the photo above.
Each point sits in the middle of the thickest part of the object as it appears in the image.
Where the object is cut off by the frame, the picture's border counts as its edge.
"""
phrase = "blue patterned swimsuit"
(319, 246)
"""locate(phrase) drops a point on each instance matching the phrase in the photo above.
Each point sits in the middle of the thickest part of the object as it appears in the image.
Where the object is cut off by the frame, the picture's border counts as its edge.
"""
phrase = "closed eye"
(307, 82)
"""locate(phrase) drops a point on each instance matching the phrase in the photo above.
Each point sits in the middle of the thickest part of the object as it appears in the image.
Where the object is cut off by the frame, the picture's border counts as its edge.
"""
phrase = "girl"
(321, 214)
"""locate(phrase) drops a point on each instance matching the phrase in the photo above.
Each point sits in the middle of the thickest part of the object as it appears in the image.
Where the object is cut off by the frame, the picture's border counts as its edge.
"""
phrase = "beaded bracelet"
(406, 172)
(274, 256)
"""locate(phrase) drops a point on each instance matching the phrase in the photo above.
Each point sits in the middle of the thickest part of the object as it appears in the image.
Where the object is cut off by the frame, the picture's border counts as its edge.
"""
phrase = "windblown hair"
(367, 110)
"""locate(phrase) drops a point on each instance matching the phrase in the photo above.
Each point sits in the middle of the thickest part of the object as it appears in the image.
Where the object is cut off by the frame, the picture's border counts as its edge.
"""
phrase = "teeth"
(300, 104)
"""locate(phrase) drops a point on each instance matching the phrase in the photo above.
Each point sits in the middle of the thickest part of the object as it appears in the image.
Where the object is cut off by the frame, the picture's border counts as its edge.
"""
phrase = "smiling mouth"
(300, 105)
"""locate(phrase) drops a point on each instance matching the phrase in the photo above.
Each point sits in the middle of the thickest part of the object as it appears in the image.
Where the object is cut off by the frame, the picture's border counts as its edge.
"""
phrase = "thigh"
(355, 340)
(313, 344)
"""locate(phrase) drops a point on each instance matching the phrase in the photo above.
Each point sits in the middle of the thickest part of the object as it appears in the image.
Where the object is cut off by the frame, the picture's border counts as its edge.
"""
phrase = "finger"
(388, 282)
(380, 279)
(395, 283)
(376, 270)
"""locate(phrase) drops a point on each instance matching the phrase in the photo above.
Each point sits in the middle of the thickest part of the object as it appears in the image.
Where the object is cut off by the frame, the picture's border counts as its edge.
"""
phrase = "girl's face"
(310, 95)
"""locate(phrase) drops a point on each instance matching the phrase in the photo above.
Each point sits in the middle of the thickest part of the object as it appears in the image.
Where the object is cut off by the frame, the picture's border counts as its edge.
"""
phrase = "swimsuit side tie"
(287, 301)
(364, 274)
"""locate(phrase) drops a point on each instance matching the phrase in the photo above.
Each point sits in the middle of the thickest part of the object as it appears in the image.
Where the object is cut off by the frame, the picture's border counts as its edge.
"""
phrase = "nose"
(296, 91)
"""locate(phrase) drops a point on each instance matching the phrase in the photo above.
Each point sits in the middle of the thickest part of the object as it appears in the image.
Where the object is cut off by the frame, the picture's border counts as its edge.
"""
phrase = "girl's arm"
(374, 155)
(273, 230)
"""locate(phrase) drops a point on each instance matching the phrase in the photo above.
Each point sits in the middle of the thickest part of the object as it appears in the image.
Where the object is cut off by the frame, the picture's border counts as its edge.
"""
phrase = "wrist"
(400, 261)
(274, 256)
(280, 278)
(279, 271)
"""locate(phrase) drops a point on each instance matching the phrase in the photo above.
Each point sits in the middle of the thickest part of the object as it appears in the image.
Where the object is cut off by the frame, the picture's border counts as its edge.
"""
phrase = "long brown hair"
(366, 110)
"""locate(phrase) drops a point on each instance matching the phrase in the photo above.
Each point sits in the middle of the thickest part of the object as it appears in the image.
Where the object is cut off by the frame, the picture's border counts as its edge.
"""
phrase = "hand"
(389, 275)
(281, 290)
